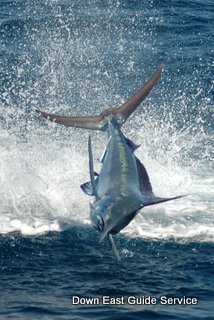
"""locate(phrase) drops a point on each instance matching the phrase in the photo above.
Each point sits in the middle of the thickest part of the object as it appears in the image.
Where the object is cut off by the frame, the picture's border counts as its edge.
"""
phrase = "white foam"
(39, 185)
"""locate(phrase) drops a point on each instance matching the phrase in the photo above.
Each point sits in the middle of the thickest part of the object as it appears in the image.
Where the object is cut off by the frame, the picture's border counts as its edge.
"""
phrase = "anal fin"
(87, 186)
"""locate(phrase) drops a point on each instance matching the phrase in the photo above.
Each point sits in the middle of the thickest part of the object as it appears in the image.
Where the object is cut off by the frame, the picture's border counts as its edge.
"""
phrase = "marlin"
(122, 188)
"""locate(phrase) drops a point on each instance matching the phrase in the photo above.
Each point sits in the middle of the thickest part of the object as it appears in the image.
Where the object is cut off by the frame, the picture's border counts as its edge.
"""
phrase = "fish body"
(123, 186)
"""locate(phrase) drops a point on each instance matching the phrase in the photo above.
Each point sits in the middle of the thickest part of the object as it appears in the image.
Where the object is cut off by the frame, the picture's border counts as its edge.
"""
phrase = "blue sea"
(79, 58)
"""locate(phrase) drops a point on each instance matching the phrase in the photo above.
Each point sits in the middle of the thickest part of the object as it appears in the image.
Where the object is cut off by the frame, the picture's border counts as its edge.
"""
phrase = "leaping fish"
(123, 186)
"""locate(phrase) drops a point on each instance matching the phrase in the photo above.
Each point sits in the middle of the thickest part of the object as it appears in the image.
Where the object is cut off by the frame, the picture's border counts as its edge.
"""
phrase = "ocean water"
(78, 58)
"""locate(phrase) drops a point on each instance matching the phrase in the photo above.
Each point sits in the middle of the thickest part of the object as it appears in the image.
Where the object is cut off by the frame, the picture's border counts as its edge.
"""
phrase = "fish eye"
(100, 224)
(97, 222)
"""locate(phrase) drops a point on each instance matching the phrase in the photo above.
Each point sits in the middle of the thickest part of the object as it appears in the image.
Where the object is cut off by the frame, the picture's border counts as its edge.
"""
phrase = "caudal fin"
(131, 105)
(121, 114)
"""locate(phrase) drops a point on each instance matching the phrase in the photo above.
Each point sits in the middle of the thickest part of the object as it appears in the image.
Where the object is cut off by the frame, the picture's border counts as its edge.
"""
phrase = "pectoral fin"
(155, 200)
(91, 169)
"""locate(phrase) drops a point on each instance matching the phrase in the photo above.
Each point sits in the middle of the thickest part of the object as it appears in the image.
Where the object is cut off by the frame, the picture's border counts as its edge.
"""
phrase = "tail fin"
(94, 122)
(131, 105)
(121, 114)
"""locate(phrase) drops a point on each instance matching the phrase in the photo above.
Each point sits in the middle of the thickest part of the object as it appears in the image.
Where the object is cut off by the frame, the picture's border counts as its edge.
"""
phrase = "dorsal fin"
(149, 198)
(132, 145)
(145, 184)
(121, 114)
